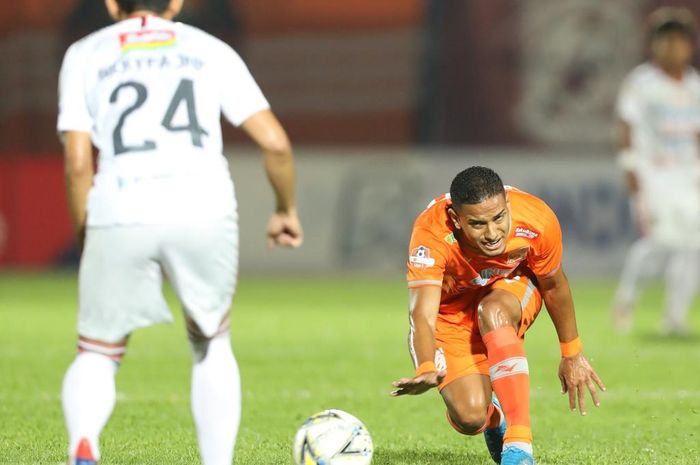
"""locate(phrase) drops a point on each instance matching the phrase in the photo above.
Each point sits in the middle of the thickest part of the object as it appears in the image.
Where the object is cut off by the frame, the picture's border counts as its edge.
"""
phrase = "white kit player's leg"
(681, 284)
(201, 262)
(679, 229)
(119, 292)
(643, 253)
(216, 399)
(88, 397)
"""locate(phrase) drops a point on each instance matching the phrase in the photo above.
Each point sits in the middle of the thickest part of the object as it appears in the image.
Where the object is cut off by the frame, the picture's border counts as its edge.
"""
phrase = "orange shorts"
(460, 348)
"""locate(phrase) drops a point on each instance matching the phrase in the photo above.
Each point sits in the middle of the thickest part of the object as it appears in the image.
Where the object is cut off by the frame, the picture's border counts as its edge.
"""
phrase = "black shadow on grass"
(428, 457)
(651, 337)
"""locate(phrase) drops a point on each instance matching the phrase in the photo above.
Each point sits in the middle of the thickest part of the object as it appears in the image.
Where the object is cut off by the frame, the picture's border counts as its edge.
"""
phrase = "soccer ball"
(332, 437)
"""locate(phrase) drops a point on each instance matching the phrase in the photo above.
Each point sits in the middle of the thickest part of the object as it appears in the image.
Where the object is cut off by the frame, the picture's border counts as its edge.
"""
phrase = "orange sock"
(511, 381)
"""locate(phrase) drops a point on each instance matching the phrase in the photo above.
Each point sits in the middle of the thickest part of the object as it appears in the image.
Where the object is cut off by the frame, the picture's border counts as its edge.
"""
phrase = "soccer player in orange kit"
(482, 260)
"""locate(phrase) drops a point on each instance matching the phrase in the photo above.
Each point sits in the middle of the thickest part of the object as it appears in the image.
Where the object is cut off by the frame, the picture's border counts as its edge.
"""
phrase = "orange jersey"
(436, 258)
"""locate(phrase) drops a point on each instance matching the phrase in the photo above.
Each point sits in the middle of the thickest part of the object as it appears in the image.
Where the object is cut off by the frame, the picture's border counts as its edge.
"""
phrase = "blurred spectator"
(659, 113)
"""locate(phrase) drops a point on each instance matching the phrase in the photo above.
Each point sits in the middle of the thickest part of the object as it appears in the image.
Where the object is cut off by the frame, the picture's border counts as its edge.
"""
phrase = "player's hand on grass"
(417, 385)
(284, 229)
(576, 374)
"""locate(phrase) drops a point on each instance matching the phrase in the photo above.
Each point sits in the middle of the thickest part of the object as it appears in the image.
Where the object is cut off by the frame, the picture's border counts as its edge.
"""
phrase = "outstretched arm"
(79, 172)
(424, 304)
(574, 370)
(284, 227)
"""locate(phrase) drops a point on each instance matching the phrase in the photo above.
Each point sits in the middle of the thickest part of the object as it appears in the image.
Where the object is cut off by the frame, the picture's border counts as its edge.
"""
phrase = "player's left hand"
(284, 229)
(575, 373)
(418, 384)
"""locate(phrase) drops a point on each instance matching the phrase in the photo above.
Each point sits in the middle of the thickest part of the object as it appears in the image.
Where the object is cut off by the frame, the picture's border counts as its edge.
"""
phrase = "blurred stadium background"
(384, 101)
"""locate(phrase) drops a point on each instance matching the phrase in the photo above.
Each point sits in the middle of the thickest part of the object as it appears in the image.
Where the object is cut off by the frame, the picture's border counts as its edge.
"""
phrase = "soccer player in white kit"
(659, 112)
(148, 93)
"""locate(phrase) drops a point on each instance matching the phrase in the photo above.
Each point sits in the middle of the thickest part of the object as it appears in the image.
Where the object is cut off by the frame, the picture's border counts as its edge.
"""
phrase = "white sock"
(216, 402)
(526, 446)
(88, 398)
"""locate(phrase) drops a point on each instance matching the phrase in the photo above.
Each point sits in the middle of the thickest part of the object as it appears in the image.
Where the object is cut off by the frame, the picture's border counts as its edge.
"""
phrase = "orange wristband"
(571, 348)
(425, 367)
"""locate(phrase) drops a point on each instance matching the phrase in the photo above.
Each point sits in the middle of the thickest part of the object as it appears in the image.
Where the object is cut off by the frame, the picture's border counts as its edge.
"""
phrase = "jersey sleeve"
(73, 111)
(545, 259)
(629, 102)
(427, 259)
(241, 96)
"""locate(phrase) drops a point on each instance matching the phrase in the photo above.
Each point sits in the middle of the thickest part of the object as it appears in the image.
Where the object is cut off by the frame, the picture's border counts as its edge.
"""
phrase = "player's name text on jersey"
(159, 62)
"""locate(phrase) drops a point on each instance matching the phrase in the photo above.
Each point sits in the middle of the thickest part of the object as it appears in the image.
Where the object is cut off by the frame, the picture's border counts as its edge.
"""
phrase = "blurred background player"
(659, 120)
(149, 93)
(482, 260)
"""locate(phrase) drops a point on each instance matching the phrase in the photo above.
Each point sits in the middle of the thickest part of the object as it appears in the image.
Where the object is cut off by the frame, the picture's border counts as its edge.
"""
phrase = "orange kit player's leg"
(464, 354)
(504, 315)
(466, 388)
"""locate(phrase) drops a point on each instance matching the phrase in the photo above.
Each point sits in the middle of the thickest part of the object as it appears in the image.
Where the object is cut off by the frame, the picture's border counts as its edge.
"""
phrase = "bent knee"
(469, 421)
(496, 311)
(199, 342)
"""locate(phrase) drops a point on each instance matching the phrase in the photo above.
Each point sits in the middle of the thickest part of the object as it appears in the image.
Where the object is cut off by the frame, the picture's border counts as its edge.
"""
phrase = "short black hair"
(474, 185)
(668, 20)
(129, 6)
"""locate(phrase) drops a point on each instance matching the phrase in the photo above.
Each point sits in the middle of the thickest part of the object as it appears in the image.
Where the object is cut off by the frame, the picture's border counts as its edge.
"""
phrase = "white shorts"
(669, 209)
(122, 268)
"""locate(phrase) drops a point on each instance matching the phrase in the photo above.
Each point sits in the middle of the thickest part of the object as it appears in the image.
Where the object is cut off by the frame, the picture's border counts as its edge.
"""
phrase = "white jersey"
(150, 92)
(664, 115)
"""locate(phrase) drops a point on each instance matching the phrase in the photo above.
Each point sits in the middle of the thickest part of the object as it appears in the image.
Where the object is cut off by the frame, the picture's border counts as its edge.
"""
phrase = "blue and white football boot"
(513, 455)
(494, 436)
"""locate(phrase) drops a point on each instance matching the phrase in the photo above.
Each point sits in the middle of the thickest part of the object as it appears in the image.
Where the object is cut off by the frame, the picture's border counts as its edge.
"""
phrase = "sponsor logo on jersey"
(486, 274)
(146, 40)
(420, 257)
(450, 238)
(524, 232)
(518, 255)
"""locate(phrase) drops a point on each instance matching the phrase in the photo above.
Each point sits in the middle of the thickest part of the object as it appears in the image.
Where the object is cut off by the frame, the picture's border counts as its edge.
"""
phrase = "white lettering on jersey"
(151, 93)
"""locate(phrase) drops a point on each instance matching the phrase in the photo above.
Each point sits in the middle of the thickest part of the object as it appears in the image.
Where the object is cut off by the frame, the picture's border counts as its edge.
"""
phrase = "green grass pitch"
(309, 344)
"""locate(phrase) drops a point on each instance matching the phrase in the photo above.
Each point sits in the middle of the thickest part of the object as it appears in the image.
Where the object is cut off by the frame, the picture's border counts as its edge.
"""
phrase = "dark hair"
(474, 185)
(129, 6)
(669, 19)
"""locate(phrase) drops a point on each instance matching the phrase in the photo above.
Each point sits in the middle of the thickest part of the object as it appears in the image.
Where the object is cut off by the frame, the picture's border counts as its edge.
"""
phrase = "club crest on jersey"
(420, 257)
(526, 233)
(517, 255)
(146, 40)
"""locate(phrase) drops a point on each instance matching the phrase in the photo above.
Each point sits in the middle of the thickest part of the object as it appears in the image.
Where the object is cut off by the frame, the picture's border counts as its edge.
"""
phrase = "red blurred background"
(400, 73)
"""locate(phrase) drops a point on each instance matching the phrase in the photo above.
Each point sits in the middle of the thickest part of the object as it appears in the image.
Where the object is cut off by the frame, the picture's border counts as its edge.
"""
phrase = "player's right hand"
(417, 385)
(284, 229)
(576, 374)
